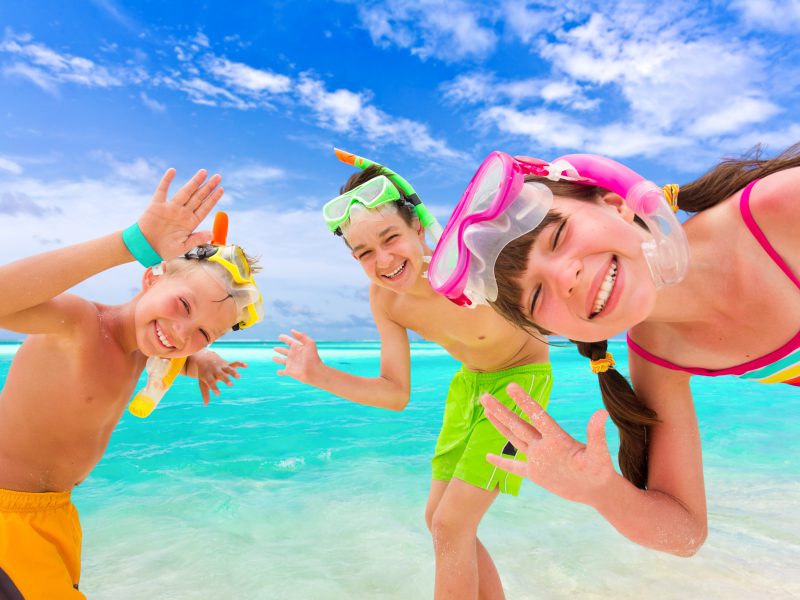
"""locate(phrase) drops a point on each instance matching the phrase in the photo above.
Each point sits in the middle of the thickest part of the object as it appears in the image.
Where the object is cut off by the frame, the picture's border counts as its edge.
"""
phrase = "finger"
(289, 340)
(302, 337)
(238, 364)
(279, 360)
(231, 371)
(225, 378)
(208, 204)
(204, 393)
(510, 426)
(543, 422)
(163, 186)
(215, 389)
(201, 193)
(183, 194)
(596, 443)
(281, 372)
(515, 467)
(281, 350)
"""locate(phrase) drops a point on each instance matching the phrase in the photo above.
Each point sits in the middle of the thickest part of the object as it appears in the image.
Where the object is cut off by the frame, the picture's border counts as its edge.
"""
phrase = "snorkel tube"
(426, 218)
(161, 372)
(667, 254)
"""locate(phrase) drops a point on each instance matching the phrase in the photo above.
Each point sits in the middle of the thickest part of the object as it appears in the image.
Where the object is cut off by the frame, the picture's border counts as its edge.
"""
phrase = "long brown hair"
(631, 416)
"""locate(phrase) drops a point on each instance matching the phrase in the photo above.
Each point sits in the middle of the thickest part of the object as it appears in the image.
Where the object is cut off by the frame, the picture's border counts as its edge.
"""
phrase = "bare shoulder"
(65, 315)
(775, 204)
(774, 201)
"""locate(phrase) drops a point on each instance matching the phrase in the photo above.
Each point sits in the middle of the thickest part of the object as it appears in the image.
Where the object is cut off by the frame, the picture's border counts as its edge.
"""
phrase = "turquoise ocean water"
(280, 491)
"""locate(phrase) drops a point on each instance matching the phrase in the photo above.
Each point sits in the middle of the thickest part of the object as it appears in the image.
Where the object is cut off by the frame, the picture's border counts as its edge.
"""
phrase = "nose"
(182, 331)
(383, 258)
(565, 275)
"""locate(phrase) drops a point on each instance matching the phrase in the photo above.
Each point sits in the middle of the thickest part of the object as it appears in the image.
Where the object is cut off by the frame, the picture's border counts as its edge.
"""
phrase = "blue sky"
(98, 98)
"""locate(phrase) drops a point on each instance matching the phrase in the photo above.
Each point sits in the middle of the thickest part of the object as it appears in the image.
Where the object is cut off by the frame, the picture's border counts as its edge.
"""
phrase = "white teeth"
(605, 288)
(396, 272)
(162, 337)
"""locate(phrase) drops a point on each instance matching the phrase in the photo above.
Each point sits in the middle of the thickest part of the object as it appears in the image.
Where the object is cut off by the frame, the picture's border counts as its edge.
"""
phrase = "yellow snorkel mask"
(240, 285)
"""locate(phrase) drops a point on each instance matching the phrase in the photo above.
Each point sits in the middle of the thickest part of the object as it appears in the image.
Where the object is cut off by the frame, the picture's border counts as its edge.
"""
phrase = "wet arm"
(389, 390)
(670, 515)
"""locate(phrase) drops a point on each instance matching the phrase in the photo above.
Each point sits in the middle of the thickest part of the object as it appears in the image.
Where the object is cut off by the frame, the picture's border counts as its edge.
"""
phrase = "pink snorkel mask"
(498, 207)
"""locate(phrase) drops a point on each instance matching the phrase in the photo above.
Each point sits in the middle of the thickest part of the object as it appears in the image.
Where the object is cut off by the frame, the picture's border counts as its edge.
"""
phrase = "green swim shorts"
(467, 436)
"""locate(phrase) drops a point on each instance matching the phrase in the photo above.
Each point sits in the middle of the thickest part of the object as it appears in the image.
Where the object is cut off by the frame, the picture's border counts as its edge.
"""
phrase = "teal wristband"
(138, 245)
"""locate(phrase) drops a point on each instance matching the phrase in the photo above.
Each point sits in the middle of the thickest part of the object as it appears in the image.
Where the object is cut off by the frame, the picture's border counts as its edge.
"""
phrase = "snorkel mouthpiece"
(667, 253)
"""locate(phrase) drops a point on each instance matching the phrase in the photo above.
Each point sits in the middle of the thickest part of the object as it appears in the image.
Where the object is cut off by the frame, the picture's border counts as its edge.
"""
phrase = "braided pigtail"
(629, 414)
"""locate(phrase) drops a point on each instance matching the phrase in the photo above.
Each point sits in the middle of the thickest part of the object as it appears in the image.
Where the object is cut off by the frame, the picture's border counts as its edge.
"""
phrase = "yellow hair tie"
(601, 365)
(671, 194)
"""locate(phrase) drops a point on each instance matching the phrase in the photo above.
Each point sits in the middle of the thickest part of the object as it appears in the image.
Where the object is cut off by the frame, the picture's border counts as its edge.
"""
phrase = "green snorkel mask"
(375, 192)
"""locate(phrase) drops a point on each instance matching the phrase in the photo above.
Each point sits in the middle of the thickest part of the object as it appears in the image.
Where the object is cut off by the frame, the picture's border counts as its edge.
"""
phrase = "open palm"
(169, 224)
(555, 460)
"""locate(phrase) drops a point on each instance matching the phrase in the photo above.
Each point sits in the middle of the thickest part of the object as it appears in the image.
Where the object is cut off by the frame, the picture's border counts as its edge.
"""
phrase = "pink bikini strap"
(747, 217)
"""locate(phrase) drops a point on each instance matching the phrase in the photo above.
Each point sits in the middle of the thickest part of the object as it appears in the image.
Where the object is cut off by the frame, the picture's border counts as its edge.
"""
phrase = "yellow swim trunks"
(40, 546)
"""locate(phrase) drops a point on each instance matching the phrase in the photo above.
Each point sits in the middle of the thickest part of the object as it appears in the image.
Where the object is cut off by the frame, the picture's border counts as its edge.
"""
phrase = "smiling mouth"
(397, 272)
(604, 293)
(163, 338)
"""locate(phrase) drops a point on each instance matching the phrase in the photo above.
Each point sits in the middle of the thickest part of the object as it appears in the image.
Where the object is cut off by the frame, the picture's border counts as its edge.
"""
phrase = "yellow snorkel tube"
(161, 372)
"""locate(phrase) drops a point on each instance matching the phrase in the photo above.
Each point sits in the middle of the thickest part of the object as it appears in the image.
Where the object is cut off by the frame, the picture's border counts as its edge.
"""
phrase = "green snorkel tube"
(425, 216)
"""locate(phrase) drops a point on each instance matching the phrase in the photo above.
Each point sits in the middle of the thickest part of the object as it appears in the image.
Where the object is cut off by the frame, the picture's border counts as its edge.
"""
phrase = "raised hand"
(555, 460)
(210, 368)
(300, 357)
(169, 224)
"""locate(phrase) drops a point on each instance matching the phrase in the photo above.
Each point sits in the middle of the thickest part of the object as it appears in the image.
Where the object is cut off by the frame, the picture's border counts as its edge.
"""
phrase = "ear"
(151, 274)
(420, 229)
(617, 202)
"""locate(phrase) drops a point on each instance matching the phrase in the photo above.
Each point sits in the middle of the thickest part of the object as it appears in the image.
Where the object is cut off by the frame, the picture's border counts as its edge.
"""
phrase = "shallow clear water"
(278, 490)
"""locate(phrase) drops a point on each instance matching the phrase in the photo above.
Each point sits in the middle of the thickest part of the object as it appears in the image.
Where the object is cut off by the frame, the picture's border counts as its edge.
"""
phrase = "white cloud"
(205, 93)
(669, 74)
(485, 88)
(201, 39)
(254, 174)
(46, 67)
(446, 30)
(152, 103)
(10, 166)
(526, 23)
(350, 112)
(137, 170)
(777, 15)
(552, 131)
(733, 115)
(658, 78)
(247, 78)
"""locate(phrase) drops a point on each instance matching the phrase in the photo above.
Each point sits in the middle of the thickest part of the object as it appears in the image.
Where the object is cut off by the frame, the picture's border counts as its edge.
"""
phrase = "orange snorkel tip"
(220, 230)
(345, 157)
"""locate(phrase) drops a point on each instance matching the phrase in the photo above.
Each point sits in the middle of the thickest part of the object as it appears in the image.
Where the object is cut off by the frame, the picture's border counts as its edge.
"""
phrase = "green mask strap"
(425, 216)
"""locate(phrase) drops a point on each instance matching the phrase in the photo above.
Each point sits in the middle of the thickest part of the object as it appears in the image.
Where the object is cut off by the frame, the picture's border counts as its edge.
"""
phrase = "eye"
(364, 254)
(185, 305)
(391, 237)
(557, 235)
(205, 335)
(535, 300)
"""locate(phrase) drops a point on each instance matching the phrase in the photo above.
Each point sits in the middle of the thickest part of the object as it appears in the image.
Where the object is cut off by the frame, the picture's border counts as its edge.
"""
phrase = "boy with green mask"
(379, 217)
